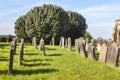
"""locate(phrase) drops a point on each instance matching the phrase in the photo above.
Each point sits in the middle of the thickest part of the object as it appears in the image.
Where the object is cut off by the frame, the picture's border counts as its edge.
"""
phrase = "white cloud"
(101, 19)
(98, 11)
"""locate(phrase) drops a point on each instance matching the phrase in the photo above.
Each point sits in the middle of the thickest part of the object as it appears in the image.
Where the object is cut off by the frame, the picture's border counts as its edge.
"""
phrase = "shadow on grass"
(3, 45)
(54, 54)
(36, 64)
(35, 60)
(29, 72)
(3, 71)
(48, 48)
(30, 53)
(2, 58)
(36, 71)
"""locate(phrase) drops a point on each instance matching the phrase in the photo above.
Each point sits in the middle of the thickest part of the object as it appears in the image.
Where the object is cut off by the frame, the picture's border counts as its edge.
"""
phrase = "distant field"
(59, 64)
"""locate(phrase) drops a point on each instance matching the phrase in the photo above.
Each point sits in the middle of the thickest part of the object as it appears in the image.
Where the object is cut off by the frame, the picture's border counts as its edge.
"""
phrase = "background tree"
(49, 21)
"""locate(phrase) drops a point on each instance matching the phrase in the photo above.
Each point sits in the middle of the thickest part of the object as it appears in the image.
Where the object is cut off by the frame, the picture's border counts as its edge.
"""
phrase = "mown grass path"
(59, 64)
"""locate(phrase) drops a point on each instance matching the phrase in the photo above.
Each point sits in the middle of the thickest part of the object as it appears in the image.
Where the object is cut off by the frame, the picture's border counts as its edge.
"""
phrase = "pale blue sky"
(100, 14)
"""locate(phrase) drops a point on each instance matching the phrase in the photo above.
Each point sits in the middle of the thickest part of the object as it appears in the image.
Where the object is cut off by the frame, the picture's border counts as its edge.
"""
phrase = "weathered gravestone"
(112, 55)
(12, 52)
(15, 45)
(42, 46)
(99, 43)
(103, 53)
(62, 42)
(66, 42)
(69, 44)
(34, 42)
(77, 46)
(21, 52)
(93, 42)
(81, 45)
(52, 41)
(86, 43)
(91, 51)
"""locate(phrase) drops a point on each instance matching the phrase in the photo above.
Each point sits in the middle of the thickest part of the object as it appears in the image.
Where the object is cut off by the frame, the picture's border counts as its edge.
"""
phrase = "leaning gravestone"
(69, 44)
(21, 52)
(12, 51)
(112, 55)
(91, 51)
(42, 46)
(103, 53)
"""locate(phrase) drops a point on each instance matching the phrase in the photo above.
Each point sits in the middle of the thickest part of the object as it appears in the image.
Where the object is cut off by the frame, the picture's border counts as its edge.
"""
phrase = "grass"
(59, 64)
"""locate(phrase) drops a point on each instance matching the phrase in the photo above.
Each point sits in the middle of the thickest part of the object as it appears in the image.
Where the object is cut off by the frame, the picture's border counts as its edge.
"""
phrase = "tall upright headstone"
(103, 53)
(99, 43)
(42, 46)
(15, 45)
(77, 46)
(53, 41)
(12, 52)
(91, 51)
(66, 42)
(81, 45)
(86, 43)
(69, 44)
(34, 42)
(21, 52)
(112, 55)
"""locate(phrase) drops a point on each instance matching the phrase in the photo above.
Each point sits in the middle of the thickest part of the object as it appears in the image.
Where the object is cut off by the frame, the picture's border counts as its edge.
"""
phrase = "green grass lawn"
(59, 64)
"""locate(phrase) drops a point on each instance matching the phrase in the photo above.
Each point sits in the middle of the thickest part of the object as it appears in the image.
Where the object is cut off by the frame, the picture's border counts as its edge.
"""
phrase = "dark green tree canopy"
(50, 21)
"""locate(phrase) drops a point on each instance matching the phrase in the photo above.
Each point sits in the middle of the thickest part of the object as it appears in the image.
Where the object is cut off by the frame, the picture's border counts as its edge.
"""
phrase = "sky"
(100, 15)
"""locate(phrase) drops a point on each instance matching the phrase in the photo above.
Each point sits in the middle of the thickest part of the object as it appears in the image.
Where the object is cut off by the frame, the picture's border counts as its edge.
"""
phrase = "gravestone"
(40, 43)
(99, 43)
(81, 47)
(53, 41)
(93, 42)
(66, 42)
(112, 55)
(21, 52)
(86, 43)
(34, 42)
(69, 44)
(60, 43)
(63, 42)
(77, 46)
(103, 53)
(15, 45)
(82, 50)
(42, 46)
(91, 51)
(12, 52)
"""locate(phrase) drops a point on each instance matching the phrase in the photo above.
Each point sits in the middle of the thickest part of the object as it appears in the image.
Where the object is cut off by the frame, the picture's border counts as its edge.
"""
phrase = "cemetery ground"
(58, 64)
